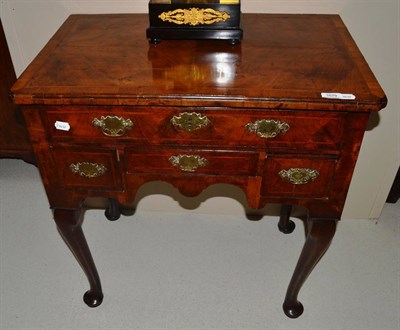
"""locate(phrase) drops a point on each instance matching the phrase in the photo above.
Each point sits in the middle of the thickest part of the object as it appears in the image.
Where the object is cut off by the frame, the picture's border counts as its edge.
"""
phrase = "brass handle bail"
(113, 126)
(299, 176)
(88, 170)
(188, 163)
(268, 128)
(190, 121)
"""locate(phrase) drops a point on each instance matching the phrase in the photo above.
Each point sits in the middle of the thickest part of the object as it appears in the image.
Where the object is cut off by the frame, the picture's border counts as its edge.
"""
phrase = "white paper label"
(338, 96)
(62, 126)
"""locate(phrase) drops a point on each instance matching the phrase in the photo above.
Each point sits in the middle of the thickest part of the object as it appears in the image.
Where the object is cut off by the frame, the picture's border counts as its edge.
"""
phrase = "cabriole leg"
(69, 224)
(319, 236)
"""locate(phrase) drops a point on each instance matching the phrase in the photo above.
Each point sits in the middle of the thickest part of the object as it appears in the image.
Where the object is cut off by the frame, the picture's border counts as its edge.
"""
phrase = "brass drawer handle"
(298, 176)
(88, 170)
(190, 121)
(268, 128)
(188, 163)
(112, 125)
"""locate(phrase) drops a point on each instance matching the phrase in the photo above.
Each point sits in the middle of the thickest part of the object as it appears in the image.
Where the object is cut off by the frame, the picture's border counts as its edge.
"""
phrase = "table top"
(284, 61)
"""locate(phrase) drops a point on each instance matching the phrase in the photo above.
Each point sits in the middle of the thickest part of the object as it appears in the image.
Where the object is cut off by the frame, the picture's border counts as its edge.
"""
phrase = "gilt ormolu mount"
(194, 19)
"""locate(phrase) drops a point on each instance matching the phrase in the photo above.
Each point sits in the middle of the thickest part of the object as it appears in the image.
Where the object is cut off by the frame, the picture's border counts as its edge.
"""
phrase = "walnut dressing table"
(281, 115)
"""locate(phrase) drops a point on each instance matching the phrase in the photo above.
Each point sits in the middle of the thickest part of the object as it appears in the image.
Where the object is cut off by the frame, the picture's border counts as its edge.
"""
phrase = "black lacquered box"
(194, 19)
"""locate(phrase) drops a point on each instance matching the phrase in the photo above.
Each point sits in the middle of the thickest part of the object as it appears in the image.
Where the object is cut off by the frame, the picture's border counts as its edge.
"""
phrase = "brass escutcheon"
(88, 170)
(268, 128)
(190, 121)
(112, 125)
(188, 163)
(298, 176)
(194, 16)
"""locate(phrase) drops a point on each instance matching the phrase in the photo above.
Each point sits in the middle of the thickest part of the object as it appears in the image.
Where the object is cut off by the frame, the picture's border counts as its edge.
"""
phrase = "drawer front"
(93, 124)
(88, 169)
(267, 129)
(191, 162)
(309, 177)
(247, 128)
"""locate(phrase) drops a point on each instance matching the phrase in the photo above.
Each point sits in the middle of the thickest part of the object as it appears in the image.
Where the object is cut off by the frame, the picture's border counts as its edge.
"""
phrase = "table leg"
(69, 224)
(286, 225)
(319, 236)
(113, 211)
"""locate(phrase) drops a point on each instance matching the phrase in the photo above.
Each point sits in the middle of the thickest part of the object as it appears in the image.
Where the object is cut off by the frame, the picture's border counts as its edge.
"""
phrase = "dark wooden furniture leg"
(286, 225)
(113, 211)
(319, 236)
(394, 193)
(69, 223)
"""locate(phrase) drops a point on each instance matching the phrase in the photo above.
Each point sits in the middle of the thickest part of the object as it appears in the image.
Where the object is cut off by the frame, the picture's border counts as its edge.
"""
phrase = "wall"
(374, 25)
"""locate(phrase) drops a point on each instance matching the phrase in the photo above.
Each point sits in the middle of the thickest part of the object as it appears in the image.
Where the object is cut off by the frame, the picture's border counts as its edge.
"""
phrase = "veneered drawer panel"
(192, 161)
(211, 126)
(87, 169)
(298, 176)
(95, 124)
(291, 129)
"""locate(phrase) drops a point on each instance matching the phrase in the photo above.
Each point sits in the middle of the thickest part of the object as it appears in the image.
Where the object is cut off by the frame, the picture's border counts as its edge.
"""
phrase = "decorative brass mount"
(190, 121)
(194, 16)
(299, 176)
(268, 128)
(112, 125)
(188, 163)
(88, 170)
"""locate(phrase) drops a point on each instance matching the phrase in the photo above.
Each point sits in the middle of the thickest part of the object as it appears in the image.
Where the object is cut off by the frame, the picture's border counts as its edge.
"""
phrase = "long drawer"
(305, 130)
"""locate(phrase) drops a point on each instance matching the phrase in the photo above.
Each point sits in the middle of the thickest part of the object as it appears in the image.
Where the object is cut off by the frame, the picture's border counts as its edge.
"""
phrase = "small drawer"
(92, 124)
(191, 162)
(87, 169)
(309, 177)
